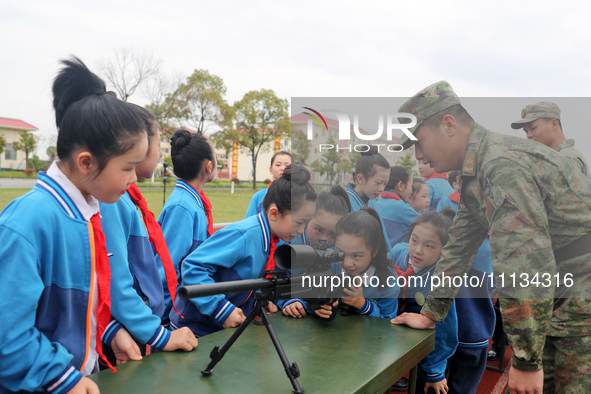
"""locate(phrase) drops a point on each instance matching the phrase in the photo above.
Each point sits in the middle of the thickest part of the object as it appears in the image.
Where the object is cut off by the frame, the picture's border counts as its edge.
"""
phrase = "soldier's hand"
(526, 382)
(235, 319)
(415, 320)
(295, 310)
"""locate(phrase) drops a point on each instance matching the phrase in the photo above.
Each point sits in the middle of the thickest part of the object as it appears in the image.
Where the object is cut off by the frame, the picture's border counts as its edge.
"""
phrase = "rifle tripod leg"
(292, 371)
(217, 354)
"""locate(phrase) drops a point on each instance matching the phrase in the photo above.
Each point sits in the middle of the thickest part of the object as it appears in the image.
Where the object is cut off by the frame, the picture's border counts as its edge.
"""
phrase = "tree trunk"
(254, 173)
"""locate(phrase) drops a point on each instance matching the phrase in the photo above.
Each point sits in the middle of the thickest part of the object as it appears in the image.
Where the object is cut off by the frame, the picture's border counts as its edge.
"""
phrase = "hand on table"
(295, 310)
(183, 338)
(235, 319)
(415, 320)
(326, 310)
(125, 348)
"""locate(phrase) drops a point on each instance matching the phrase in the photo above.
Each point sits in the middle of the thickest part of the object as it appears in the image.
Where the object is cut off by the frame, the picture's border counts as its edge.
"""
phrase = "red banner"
(235, 160)
(277, 143)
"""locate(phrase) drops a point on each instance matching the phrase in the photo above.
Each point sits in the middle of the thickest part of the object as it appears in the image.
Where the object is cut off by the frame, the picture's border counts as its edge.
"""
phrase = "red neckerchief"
(455, 197)
(103, 271)
(157, 239)
(207, 206)
(441, 175)
(391, 195)
(270, 265)
(269, 185)
(409, 272)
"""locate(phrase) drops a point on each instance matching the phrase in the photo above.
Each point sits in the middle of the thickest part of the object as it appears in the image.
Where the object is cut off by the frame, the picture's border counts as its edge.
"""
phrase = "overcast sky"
(308, 48)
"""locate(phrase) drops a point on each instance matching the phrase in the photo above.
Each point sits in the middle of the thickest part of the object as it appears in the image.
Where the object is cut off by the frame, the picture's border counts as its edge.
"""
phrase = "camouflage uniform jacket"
(532, 201)
(567, 148)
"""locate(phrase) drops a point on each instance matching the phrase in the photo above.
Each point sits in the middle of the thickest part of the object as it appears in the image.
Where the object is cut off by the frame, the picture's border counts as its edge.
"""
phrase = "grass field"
(226, 207)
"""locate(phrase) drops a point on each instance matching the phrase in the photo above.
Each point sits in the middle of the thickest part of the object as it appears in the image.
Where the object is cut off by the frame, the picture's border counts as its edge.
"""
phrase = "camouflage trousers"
(567, 365)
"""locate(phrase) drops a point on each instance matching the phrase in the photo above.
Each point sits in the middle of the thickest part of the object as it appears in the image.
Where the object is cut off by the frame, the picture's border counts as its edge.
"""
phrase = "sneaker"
(401, 385)
(492, 355)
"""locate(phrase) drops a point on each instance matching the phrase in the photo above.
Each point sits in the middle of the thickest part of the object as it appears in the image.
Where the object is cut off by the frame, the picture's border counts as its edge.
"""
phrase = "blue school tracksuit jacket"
(135, 283)
(48, 270)
(474, 306)
(256, 203)
(184, 225)
(356, 200)
(446, 332)
(238, 251)
(438, 188)
(396, 217)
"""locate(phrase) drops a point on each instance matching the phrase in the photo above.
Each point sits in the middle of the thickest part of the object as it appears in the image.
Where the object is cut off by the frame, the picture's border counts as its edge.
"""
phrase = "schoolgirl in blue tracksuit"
(366, 257)
(52, 254)
(395, 212)
(476, 318)
(372, 172)
(184, 219)
(243, 250)
(330, 207)
(438, 185)
(418, 260)
(279, 161)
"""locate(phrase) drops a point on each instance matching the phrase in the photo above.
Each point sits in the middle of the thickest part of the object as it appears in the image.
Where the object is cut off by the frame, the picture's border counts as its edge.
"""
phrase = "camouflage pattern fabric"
(533, 201)
(426, 103)
(567, 149)
(567, 364)
(541, 110)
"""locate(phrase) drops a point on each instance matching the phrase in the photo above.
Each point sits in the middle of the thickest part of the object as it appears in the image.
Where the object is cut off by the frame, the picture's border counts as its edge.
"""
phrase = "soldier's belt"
(575, 249)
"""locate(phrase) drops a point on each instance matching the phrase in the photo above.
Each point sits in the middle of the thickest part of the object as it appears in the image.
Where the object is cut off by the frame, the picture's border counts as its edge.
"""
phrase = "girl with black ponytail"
(244, 250)
(372, 171)
(52, 238)
(186, 219)
(330, 207)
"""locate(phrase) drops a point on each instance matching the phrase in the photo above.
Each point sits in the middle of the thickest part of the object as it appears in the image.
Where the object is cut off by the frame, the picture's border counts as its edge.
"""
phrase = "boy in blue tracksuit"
(184, 224)
(372, 172)
(439, 186)
(476, 314)
(415, 263)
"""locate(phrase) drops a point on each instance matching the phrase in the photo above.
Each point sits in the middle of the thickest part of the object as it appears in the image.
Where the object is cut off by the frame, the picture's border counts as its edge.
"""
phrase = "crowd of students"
(90, 277)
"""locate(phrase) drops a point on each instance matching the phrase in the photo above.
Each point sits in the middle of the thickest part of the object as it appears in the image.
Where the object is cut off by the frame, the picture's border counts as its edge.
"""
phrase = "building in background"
(299, 123)
(11, 160)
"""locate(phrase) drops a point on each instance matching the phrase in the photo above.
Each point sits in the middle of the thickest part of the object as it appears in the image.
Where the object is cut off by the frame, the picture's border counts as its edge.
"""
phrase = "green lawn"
(226, 207)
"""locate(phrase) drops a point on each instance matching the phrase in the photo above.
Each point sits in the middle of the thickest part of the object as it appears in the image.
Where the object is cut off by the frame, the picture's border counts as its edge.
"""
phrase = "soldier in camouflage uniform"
(541, 122)
(537, 207)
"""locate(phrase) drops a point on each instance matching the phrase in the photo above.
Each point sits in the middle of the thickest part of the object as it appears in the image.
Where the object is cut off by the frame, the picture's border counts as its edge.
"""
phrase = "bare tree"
(128, 70)
(163, 94)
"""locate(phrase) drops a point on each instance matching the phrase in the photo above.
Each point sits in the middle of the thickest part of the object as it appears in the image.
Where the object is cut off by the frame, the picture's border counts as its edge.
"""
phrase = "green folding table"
(352, 354)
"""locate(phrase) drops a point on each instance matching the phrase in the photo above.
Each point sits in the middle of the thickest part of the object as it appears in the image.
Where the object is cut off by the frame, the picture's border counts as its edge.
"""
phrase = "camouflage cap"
(543, 109)
(426, 103)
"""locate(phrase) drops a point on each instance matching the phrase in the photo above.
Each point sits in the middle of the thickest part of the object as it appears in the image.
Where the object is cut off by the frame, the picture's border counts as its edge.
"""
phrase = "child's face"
(322, 226)
(425, 170)
(117, 175)
(420, 201)
(357, 255)
(146, 168)
(424, 246)
(276, 169)
(375, 185)
(404, 191)
(290, 224)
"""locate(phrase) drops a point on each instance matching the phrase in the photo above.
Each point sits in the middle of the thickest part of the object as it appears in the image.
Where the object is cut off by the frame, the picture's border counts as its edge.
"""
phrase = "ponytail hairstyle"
(365, 163)
(366, 224)
(291, 190)
(440, 221)
(189, 152)
(417, 184)
(336, 201)
(281, 152)
(454, 176)
(90, 118)
(397, 174)
(148, 118)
